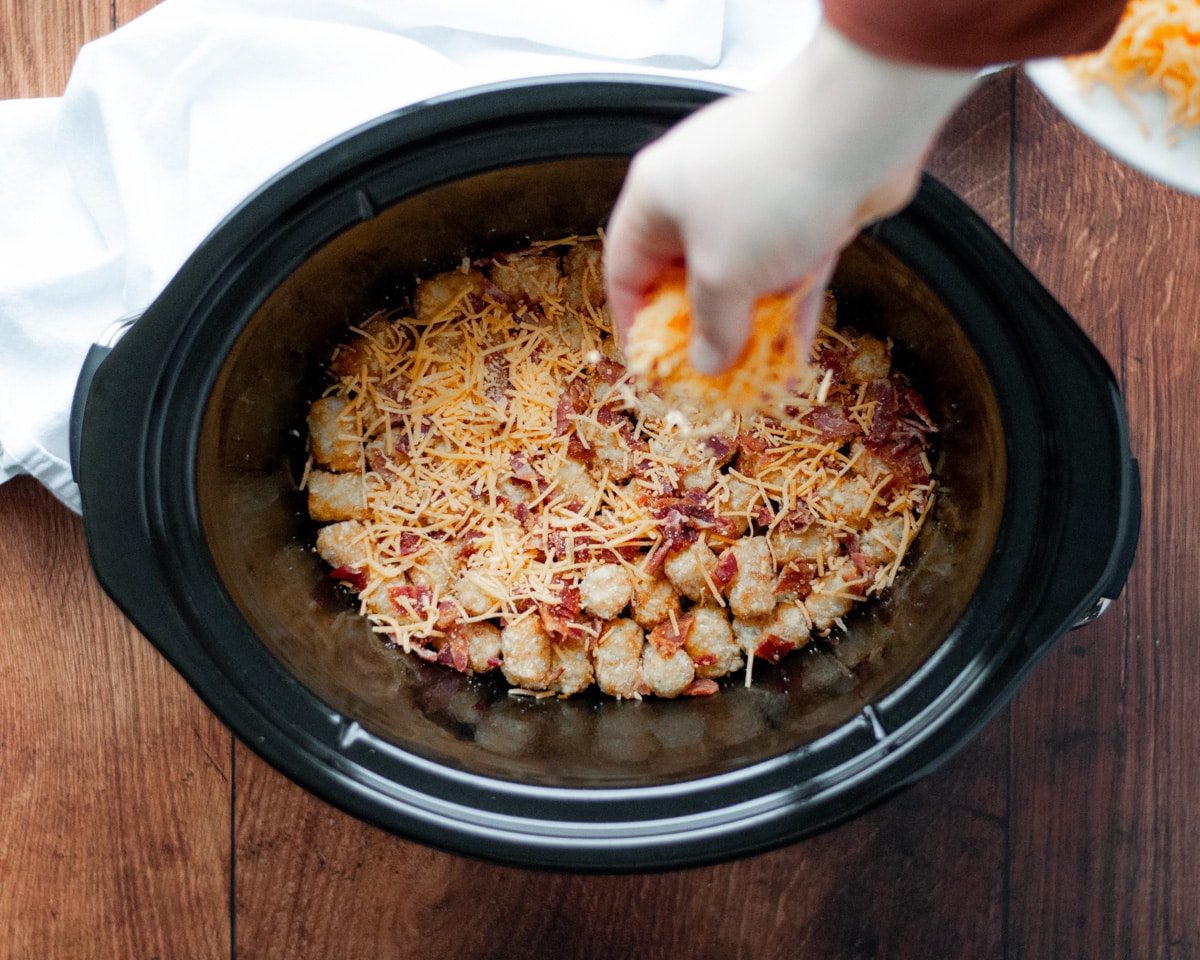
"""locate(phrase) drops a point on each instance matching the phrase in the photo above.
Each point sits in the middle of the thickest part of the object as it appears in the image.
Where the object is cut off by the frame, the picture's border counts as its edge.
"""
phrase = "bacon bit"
(719, 446)
(559, 619)
(831, 422)
(883, 421)
(705, 660)
(909, 402)
(903, 458)
(578, 450)
(773, 648)
(494, 662)
(413, 601)
(666, 639)
(351, 576)
(522, 469)
(864, 566)
(796, 520)
(408, 543)
(750, 443)
(521, 512)
(447, 615)
(657, 556)
(610, 371)
(395, 388)
(700, 688)
(797, 578)
(764, 516)
(835, 356)
(455, 651)
(606, 415)
(576, 398)
(755, 453)
(726, 569)
(382, 466)
(425, 653)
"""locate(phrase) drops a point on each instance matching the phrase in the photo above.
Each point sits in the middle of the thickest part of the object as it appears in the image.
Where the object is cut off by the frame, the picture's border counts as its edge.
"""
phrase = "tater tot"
(667, 676)
(572, 671)
(618, 659)
(871, 360)
(438, 293)
(784, 629)
(330, 435)
(690, 570)
(528, 655)
(606, 590)
(828, 601)
(483, 645)
(583, 277)
(343, 544)
(711, 645)
(752, 589)
(527, 278)
(654, 600)
(336, 496)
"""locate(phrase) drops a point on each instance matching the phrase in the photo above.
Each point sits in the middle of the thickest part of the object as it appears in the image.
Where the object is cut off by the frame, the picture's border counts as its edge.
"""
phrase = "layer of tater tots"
(498, 500)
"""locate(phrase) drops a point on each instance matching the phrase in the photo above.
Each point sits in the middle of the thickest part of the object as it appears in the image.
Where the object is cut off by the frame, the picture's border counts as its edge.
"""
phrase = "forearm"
(974, 33)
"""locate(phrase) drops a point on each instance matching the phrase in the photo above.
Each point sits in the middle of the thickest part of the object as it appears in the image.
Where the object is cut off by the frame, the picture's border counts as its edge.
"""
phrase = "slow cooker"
(189, 444)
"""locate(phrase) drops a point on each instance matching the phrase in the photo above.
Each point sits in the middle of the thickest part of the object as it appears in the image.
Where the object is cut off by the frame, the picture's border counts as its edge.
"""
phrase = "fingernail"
(704, 355)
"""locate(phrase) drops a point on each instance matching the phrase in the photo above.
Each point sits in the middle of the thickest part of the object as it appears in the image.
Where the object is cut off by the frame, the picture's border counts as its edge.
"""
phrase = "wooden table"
(133, 825)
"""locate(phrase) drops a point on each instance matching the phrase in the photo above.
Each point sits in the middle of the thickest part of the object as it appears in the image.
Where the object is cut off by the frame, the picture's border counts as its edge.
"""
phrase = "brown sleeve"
(974, 33)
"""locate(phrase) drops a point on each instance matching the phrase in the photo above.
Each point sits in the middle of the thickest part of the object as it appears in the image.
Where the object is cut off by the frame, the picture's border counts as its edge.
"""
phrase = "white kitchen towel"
(170, 121)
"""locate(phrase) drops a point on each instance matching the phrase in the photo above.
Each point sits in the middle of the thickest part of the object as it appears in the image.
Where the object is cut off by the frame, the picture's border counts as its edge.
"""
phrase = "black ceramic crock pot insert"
(190, 448)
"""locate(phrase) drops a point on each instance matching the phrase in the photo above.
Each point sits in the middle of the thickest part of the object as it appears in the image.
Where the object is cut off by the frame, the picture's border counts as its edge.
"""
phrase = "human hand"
(757, 193)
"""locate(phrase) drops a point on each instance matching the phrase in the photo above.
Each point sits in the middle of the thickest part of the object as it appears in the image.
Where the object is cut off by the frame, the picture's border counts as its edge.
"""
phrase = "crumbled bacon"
(575, 399)
(455, 651)
(796, 520)
(700, 688)
(351, 576)
(719, 446)
(447, 615)
(797, 578)
(610, 371)
(522, 469)
(666, 639)
(578, 450)
(560, 619)
(412, 600)
(883, 421)
(832, 422)
(773, 648)
(726, 569)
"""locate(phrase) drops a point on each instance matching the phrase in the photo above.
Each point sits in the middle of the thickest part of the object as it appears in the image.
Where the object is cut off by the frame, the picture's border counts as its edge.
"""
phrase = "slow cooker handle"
(1128, 527)
(91, 363)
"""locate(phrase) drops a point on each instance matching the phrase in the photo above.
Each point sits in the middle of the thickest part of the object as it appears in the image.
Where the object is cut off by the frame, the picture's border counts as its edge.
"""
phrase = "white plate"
(1136, 136)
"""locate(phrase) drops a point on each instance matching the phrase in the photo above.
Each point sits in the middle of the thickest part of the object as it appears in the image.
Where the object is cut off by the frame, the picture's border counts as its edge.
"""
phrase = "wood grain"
(132, 826)
(115, 797)
(1106, 748)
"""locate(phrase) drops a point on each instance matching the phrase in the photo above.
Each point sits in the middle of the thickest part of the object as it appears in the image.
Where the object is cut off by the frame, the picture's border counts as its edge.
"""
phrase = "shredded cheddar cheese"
(1156, 46)
(501, 454)
(765, 376)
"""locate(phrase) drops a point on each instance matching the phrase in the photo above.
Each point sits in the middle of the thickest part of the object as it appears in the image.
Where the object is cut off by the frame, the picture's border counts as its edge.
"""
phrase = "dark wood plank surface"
(132, 824)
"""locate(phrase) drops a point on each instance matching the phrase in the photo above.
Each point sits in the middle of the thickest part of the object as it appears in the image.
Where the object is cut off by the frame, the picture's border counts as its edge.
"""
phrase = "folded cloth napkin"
(168, 122)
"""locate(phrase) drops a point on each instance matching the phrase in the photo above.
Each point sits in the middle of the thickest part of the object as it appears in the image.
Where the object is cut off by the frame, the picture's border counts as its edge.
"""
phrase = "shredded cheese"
(1156, 46)
(504, 454)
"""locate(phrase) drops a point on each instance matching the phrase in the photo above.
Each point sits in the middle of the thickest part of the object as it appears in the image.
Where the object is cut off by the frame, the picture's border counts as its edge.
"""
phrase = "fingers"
(808, 311)
(641, 243)
(721, 318)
